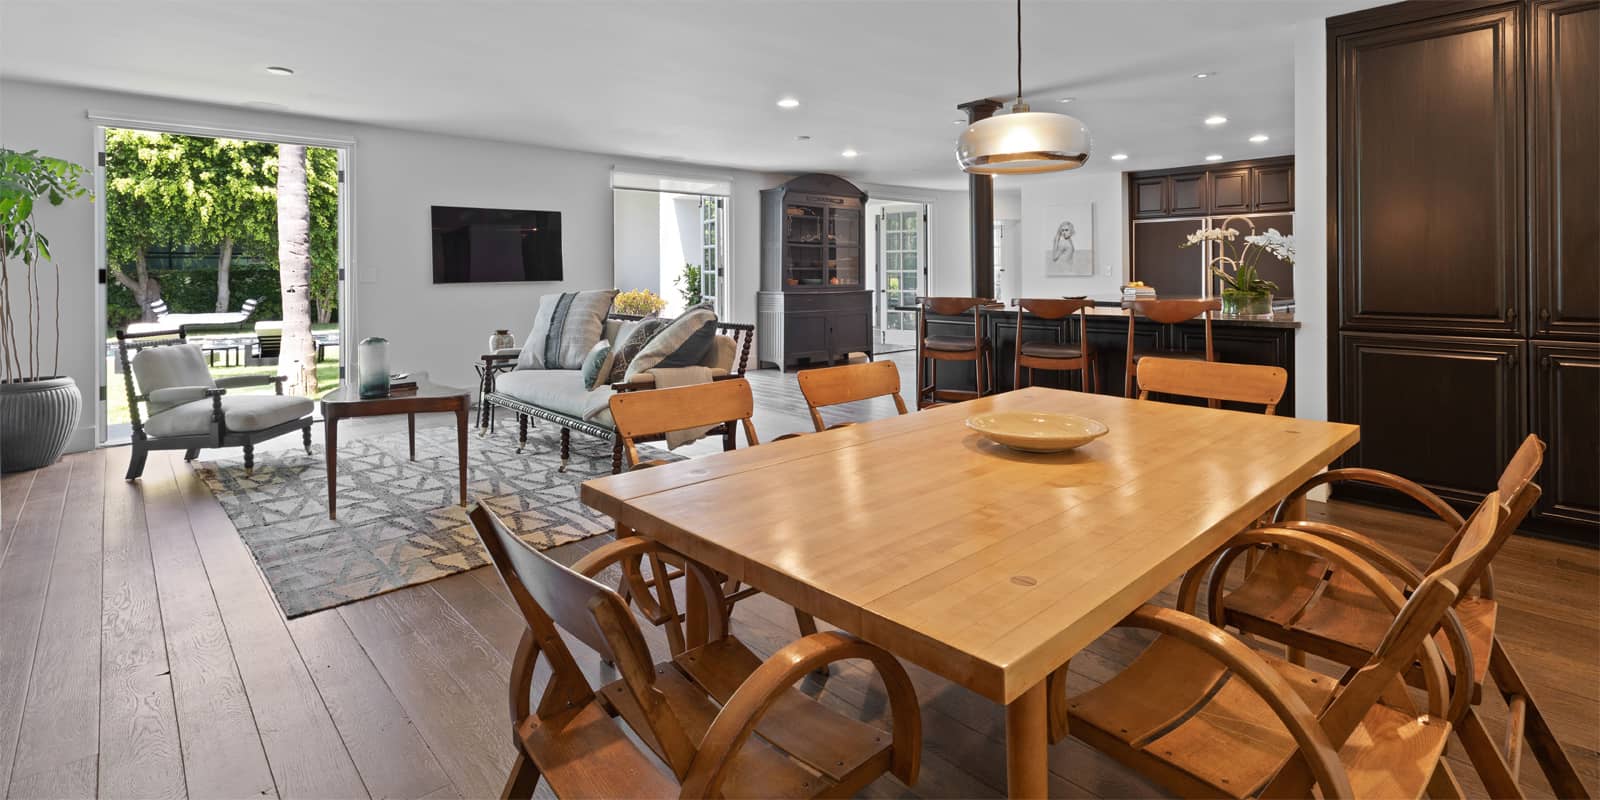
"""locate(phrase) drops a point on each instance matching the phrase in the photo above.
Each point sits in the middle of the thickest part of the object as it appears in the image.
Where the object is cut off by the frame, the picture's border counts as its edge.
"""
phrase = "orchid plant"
(1236, 267)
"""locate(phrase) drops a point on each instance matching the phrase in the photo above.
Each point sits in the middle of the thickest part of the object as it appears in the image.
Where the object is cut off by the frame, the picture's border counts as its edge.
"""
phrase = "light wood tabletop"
(984, 565)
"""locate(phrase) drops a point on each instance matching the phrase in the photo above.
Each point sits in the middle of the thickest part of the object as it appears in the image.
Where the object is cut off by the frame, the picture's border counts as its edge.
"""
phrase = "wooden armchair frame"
(1164, 313)
(1213, 381)
(696, 713)
(1478, 656)
(218, 435)
(1084, 363)
(1142, 716)
(929, 393)
(491, 365)
(848, 383)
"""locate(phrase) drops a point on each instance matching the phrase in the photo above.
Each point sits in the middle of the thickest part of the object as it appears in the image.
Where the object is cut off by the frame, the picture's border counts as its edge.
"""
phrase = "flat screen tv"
(495, 245)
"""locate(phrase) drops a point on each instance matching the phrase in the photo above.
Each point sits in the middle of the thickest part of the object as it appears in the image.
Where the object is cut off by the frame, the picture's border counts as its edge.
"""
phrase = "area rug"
(399, 522)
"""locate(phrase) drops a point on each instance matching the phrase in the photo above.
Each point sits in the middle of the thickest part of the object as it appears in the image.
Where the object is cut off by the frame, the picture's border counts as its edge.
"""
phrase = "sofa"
(558, 395)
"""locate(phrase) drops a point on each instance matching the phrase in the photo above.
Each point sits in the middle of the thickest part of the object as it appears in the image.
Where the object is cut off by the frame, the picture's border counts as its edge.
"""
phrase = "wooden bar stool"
(933, 349)
(1166, 312)
(1063, 356)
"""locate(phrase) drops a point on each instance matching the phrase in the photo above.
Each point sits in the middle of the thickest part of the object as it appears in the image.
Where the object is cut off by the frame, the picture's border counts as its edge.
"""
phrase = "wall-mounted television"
(495, 245)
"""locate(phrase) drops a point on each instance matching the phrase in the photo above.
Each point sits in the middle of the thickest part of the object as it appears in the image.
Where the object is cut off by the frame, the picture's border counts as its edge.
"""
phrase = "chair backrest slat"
(1214, 380)
(848, 383)
(657, 411)
(1053, 307)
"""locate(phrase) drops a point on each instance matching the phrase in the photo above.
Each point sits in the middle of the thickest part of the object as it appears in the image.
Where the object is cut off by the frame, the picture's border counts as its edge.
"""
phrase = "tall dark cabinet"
(813, 305)
(1465, 259)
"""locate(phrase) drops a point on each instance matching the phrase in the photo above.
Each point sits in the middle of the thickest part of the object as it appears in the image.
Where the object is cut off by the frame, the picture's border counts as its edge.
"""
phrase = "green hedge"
(194, 291)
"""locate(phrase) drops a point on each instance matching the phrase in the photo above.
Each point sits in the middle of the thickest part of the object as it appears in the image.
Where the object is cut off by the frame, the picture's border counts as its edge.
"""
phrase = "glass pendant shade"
(1023, 142)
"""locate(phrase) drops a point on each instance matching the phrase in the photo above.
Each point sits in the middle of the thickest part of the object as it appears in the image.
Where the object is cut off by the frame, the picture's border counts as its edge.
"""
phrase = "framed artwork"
(1069, 249)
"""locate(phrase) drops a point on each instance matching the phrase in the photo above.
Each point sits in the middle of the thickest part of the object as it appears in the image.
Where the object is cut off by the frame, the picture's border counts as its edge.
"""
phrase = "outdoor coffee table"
(346, 401)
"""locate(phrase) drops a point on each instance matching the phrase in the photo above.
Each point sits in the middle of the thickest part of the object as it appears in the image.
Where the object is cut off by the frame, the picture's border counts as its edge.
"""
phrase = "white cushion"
(558, 390)
(169, 366)
(245, 412)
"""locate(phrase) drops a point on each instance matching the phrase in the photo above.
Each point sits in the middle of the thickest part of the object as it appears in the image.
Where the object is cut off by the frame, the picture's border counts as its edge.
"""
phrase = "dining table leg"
(330, 447)
(461, 448)
(1027, 744)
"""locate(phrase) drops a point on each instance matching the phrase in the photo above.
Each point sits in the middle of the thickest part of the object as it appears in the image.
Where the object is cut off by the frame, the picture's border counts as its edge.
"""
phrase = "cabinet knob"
(1544, 316)
(1511, 315)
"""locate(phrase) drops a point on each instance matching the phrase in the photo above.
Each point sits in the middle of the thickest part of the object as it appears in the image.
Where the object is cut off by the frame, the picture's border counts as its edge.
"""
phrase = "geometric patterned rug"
(399, 523)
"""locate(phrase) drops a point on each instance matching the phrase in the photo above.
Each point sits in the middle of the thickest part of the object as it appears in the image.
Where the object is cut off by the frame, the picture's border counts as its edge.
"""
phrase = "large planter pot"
(36, 420)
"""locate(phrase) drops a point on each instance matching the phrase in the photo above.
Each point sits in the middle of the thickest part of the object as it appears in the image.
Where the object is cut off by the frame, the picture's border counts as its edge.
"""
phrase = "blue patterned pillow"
(597, 364)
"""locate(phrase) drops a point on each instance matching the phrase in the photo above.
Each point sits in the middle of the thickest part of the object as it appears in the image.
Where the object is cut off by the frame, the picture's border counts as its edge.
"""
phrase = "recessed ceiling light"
(1119, 156)
(1259, 138)
(279, 71)
(849, 154)
(1204, 75)
(1216, 119)
(802, 138)
(958, 122)
(788, 102)
(1214, 157)
(1066, 99)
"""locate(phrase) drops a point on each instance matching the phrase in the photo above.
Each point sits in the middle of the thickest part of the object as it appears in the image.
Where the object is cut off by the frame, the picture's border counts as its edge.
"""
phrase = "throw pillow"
(633, 340)
(565, 328)
(597, 364)
(683, 343)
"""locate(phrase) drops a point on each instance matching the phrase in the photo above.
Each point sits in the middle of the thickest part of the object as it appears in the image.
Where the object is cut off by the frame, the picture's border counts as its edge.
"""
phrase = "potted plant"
(39, 407)
(1244, 292)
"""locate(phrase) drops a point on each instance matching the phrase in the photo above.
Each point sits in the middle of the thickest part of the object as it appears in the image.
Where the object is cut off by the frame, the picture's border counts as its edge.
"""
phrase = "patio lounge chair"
(168, 321)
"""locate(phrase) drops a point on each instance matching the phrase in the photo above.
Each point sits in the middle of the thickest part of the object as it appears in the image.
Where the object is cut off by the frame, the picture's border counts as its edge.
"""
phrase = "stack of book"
(1138, 292)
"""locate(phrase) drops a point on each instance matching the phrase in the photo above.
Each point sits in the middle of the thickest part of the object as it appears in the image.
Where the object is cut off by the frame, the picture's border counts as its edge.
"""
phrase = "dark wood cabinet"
(1188, 194)
(1444, 411)
(1429, 173)
(1158, 261)
(813, 305)
(1230, 191)
(1272, 188)
(1270, 267)
(1564, 167)
(1149, 197)
(1466, 254)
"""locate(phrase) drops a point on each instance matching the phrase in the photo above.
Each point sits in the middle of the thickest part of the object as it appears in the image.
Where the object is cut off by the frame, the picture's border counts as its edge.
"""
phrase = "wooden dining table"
(986, 566)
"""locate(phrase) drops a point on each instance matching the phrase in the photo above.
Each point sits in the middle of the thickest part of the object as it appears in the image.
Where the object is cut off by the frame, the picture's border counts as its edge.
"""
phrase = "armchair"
(187, 409)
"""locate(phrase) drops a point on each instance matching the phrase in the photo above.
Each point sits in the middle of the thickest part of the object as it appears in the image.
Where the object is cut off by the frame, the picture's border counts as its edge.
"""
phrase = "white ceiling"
(699, 81)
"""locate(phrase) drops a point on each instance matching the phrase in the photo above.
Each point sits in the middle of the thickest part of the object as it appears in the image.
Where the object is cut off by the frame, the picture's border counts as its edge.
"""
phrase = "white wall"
(1041, 192)
(637, 254)
(1311, 208)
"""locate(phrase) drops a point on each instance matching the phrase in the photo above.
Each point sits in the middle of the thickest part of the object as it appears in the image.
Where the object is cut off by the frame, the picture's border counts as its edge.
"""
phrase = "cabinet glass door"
(804, 251)
(844, 247)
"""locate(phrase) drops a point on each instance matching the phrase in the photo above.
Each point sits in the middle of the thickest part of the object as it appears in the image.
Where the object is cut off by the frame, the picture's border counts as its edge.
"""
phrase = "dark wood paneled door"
(1187, 194)
(1230, 191)
(1149, 197)
(1564, 159)
(1566, 414)
(1272, 187)
(1429, 137)
(1158, 261)
(1445, 411)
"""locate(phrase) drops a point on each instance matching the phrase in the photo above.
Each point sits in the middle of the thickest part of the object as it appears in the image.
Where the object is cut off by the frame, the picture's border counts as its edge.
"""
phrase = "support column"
(980, 193)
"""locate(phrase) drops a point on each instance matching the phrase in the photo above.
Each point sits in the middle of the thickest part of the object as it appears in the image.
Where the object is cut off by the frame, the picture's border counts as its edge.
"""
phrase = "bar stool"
(933, 349)
(1166, 312)
(1063, 356)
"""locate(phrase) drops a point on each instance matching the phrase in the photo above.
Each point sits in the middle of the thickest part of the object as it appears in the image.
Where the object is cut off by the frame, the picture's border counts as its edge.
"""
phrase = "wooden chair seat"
(1176, 711)
(1051, 350)
(1344, 621)
(950, 344)
(585, 753)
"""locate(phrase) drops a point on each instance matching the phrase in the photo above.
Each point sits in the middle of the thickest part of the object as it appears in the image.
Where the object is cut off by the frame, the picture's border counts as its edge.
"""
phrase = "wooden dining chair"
(721, 721)
(1165, 312)
(1299, 602)
(830, 386)
(933, 349)
(1204, 715)
(1214, 381)
(728, 403)
(1063, 356)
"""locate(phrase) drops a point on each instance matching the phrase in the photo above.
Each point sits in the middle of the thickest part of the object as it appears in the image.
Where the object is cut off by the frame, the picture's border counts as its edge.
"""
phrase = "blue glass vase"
(372, 367)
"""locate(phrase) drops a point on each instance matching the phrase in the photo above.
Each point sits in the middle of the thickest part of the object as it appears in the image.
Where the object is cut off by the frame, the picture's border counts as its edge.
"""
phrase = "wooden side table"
(346, 401)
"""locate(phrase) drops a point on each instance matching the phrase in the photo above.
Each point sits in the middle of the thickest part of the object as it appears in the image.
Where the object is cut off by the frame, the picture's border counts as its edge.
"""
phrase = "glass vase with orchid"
(1244, 291)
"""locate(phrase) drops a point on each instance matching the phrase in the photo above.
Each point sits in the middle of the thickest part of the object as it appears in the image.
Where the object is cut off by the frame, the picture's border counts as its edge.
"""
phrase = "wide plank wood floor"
(142, 655)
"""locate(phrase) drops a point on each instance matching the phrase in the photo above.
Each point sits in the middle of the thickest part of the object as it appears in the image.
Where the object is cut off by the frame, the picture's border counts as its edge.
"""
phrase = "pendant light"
(1023, 141)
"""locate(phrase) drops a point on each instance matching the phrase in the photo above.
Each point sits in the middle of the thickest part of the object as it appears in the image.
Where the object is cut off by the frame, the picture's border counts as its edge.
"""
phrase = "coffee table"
(346, 401)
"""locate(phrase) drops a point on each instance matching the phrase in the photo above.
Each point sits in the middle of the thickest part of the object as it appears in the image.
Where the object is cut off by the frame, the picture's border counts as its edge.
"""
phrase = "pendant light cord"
(1019, 51)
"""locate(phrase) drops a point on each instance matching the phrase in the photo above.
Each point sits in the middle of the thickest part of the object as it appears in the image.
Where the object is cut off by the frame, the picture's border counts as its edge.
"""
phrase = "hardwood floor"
(142, 655)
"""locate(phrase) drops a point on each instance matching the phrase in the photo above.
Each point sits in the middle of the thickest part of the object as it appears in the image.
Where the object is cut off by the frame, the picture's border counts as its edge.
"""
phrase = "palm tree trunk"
(224, 260)
(297, 357)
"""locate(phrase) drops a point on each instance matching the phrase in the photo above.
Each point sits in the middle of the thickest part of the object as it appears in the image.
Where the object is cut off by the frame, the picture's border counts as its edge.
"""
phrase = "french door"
(713, 283)
(902, 269)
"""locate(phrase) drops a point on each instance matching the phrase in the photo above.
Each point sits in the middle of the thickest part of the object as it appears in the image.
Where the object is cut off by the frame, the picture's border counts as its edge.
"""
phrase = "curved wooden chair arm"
(1342, 557)
(1319, 754)
(1388, 480)
(627, 554)
(654, 462)
(732, 727)
(787, 436)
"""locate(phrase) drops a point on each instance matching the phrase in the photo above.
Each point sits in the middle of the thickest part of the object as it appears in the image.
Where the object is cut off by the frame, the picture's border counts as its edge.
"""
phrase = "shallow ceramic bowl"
(1037, 431)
